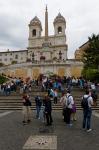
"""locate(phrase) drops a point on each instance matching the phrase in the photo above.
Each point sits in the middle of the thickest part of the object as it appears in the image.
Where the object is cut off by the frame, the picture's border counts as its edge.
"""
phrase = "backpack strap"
(86, 97)
(68, 102)
(69, 96)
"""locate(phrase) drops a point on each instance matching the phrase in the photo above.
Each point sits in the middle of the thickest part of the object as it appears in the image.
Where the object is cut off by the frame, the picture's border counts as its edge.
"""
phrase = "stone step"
(33, 108)
(33, 105)
(77, 100)
(14, 101)
(35, 94)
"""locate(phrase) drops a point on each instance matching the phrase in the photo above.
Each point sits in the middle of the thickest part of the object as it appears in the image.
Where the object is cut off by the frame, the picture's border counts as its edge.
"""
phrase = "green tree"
(3, 79)
(14, 62)
(1, 64)
(91, 58)
(91, 54)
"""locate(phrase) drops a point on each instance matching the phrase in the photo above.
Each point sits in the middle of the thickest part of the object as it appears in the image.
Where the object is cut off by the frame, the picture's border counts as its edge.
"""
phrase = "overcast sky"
(82, 19)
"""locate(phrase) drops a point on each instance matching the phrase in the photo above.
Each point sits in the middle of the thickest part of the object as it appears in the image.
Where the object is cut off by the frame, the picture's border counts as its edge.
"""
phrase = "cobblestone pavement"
(13, 135)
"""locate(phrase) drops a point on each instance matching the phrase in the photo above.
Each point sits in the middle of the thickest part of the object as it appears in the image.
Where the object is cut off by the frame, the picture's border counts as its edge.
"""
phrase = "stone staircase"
(14, 101)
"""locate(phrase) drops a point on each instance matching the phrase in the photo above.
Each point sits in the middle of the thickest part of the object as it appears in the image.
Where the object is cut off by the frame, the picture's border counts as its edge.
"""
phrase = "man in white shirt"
(69, 104)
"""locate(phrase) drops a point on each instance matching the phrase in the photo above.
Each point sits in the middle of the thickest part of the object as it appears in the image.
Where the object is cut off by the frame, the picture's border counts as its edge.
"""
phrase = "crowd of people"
(57, 89)
(60, 89)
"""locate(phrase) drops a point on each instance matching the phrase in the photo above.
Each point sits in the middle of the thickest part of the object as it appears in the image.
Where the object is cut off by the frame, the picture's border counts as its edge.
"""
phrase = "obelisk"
(46, 24)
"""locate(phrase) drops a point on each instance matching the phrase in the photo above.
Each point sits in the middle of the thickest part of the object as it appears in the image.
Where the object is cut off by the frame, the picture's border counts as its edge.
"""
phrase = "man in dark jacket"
(48, 110)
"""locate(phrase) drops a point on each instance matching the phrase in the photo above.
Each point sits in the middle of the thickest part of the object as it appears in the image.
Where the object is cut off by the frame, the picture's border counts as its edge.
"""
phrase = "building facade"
(79, 52)
(11, 57)
(47, 48)
(44, 54)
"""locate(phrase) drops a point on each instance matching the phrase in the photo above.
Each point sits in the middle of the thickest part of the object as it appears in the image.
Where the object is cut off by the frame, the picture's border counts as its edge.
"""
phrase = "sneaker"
(28, 121)
(24, 121)
(89, 130)
(70, 125)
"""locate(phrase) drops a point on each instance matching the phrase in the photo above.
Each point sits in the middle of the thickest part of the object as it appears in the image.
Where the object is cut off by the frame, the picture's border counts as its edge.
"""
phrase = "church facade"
(44, 55)
(47, 48)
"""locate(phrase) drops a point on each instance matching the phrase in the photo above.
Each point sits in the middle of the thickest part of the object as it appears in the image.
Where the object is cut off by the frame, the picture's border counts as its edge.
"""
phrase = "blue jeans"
(38, 108)
(87, 118)
(42, 113)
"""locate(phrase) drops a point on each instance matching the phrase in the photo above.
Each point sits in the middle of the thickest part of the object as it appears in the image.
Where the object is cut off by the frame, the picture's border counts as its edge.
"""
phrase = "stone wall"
(68, 68)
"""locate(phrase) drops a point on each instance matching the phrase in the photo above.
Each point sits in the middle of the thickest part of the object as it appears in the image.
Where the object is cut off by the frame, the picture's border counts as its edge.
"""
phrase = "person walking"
(69, 105)
(87, 102)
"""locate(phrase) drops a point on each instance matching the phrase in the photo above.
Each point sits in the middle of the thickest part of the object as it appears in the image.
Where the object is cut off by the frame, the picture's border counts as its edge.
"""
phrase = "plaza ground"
(13, 135)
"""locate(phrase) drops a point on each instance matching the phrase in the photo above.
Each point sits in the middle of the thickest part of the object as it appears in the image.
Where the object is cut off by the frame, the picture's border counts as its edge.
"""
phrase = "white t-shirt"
(69, 100)
(93, 86)
(90, 100)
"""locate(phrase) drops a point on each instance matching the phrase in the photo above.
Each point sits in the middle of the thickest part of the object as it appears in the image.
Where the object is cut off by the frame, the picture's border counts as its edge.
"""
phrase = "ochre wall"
(76, 71)
(21, 73)
(35, 73)
(61, 72)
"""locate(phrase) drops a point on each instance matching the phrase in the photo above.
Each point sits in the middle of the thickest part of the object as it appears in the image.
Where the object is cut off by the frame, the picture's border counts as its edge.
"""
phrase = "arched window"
(59, 30)
(34, 32)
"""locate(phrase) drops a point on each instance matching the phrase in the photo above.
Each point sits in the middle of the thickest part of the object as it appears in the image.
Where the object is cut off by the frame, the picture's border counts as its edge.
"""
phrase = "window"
(5, 59)
(16, 56)
(34, 32)
(59, 30)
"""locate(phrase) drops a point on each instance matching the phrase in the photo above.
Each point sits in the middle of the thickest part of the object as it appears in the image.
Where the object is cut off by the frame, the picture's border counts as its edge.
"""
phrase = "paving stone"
(41, 142)
(13, 135)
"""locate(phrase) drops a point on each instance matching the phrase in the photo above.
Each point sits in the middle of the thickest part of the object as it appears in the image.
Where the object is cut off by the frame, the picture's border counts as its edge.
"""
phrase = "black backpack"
(84, 102)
